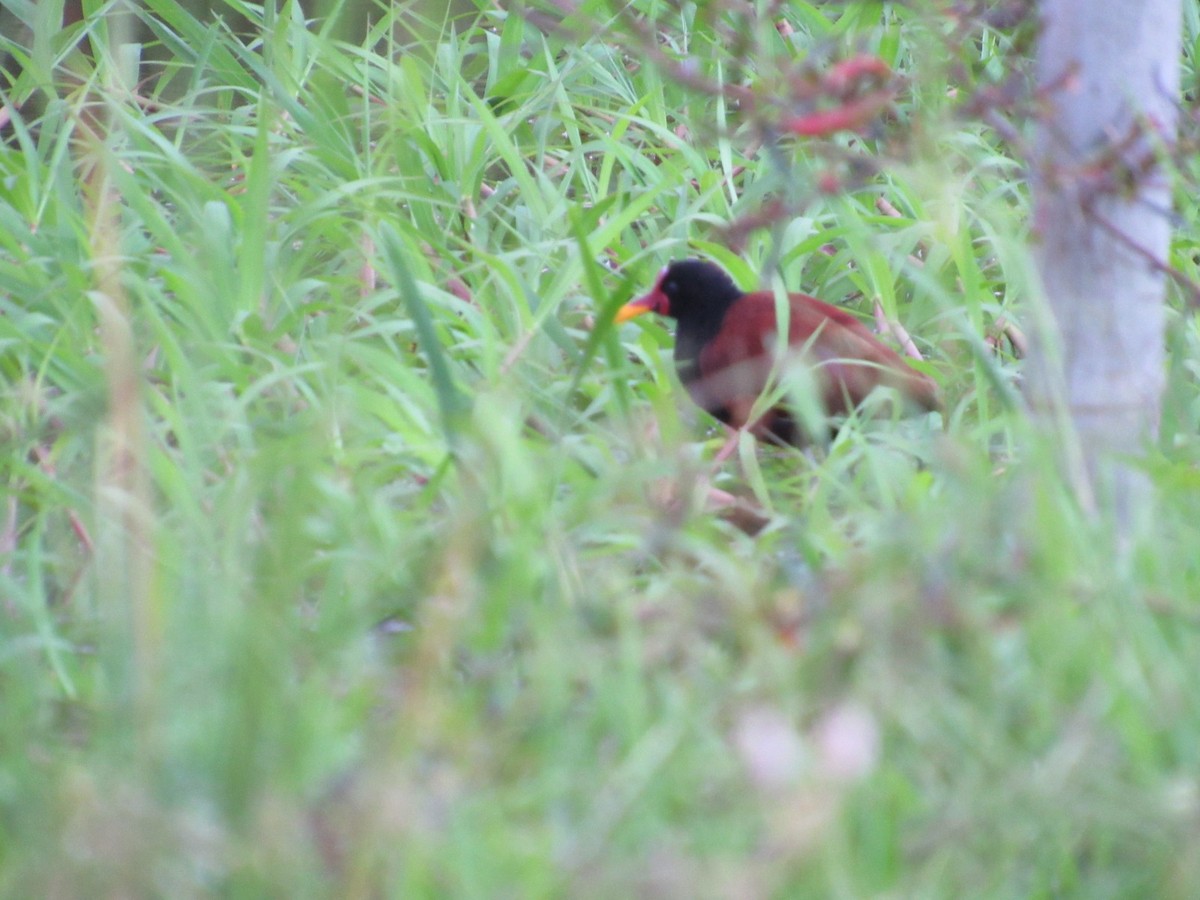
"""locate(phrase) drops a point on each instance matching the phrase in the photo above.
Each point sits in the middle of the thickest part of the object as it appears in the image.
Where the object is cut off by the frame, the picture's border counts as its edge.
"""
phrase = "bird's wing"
(848, 361)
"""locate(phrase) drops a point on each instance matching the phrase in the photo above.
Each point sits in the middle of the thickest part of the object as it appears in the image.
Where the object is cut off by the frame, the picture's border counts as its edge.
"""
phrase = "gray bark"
(1108, 78)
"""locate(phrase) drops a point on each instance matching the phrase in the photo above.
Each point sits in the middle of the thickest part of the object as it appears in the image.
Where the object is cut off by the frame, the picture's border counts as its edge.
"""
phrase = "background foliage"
(349, 549)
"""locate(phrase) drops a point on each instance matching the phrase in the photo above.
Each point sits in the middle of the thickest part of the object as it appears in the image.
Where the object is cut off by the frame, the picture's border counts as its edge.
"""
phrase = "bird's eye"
(670, 287)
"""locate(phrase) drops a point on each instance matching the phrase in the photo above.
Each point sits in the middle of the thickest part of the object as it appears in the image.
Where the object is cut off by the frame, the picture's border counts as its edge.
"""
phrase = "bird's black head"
(695, 292)
(696, 289)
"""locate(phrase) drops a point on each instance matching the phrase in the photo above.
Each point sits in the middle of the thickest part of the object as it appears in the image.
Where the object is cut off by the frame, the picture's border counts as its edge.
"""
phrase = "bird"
(726, 344)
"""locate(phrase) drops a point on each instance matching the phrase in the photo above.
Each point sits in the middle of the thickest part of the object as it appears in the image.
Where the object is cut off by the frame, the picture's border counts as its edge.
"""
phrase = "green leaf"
(452, 403)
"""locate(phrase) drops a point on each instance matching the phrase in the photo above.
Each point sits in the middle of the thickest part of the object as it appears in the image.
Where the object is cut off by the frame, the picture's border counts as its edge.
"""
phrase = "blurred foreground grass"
(348, 550)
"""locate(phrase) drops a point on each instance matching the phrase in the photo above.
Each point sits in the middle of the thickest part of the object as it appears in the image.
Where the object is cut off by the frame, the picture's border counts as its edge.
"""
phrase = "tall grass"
(348, 549)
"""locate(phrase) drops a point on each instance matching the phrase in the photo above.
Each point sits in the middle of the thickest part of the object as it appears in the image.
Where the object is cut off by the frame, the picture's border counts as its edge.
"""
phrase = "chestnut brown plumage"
(725, 347)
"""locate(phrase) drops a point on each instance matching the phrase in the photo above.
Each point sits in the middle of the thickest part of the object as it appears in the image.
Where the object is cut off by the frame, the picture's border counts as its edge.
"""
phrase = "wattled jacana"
(725, 349)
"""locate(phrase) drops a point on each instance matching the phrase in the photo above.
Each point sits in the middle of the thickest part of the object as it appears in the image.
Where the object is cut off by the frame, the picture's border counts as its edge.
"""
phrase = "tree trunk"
(1108, 78)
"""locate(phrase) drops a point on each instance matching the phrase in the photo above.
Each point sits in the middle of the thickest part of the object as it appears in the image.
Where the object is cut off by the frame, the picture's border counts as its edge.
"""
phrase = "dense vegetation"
(348, 549)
